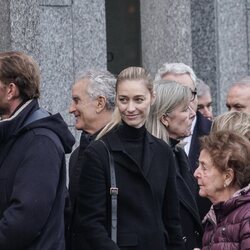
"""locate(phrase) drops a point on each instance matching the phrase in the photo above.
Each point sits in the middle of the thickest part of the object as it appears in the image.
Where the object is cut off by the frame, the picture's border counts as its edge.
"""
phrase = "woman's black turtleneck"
(133, 141)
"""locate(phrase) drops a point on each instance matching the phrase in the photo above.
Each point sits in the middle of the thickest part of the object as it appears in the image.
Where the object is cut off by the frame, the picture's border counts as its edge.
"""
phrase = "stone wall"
(166, 33)
(67, 36)
(64, 36)
(209, 35)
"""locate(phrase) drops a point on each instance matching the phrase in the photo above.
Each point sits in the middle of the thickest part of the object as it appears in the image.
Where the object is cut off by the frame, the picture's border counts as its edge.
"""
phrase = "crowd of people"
(155, 169)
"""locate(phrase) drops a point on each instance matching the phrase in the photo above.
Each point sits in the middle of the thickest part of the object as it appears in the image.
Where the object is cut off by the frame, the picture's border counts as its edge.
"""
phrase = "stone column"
(165, 33)
(209, 35)
(5, 25)
(219, 44)
(64, 36)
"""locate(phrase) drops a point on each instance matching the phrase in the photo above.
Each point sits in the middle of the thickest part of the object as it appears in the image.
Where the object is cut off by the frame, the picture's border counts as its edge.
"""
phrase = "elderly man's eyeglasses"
(194, 93)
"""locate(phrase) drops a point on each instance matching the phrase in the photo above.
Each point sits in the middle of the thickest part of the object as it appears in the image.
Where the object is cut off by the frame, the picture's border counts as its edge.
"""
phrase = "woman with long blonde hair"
(147, 204)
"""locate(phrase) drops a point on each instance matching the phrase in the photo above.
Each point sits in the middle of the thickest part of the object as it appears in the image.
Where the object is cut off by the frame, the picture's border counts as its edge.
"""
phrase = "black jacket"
(74, 239)
(187, 191)
(32, 181)
(202, 127)
(148, 214)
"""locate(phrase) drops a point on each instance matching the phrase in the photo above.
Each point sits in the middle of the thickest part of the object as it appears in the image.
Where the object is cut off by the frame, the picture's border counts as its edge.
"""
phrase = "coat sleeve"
(245, 232)
(171, 209)
(92, 200)
(33, 194)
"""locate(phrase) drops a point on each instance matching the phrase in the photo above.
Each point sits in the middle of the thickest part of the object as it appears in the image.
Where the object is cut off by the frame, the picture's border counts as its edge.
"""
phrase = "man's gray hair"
(101, 83)
(202, 88)
(175, 68)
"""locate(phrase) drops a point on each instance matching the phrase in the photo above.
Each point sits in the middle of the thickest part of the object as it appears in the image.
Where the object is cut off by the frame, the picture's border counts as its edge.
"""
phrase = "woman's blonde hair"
(169, 95)
(236, 121)
(130, 73)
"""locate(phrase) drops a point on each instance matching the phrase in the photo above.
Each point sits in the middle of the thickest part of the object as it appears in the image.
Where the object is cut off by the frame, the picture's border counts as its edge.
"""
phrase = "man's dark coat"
(187, 191)
(32, 181)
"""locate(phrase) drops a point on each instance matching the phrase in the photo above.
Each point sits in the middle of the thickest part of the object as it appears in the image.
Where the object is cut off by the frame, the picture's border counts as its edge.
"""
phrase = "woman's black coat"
(187, 192)
(148, 213)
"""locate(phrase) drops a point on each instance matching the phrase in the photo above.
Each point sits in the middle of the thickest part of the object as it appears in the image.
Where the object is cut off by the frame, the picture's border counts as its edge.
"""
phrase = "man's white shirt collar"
(188, 139)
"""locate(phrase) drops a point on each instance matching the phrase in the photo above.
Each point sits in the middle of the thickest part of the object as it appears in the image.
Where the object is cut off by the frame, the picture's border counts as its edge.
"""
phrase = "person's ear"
(164, 120)
(228, 177)
(101, 104)
(12, 91)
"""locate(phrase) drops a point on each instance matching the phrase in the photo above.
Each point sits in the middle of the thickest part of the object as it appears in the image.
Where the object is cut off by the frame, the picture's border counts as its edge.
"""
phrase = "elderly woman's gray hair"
(175, 68)
(101, 83)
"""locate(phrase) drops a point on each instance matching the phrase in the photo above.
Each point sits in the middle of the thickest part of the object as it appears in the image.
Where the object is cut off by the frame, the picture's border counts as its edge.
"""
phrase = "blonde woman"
(171, 119)
(147, 208)
(236, 121)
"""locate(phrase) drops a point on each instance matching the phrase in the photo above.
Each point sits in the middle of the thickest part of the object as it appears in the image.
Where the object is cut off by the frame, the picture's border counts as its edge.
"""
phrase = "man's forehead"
(205, 98)
(81, 85)
(239, 98)
(82, 82)
(239, 92)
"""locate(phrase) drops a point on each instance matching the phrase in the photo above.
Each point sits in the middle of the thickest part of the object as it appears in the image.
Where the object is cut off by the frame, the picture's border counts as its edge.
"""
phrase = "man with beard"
(33, 144)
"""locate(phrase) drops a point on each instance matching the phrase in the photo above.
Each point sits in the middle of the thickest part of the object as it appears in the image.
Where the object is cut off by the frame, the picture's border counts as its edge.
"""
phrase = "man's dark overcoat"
(187, 190)
(33, 181)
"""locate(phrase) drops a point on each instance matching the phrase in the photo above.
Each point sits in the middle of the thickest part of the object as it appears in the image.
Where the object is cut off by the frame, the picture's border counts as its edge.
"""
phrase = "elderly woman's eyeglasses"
(194, 93)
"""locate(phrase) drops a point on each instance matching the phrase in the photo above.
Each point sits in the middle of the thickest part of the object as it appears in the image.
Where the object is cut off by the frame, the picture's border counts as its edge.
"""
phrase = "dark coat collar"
(222, 209)
(203, 125)
(186, 185)
(10, 128)
(120, 155)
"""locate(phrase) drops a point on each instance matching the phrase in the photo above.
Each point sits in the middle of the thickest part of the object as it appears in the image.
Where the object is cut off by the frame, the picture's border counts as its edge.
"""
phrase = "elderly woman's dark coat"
(227, 225)
(148, 214)
(187, 191)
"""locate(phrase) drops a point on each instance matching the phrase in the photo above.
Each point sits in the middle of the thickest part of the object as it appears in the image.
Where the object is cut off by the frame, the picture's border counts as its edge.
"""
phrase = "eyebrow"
(202, 163)
(235, 104)
(133, 96)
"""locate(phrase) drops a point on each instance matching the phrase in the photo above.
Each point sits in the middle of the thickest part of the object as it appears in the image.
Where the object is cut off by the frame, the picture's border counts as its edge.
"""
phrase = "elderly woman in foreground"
(223, 176)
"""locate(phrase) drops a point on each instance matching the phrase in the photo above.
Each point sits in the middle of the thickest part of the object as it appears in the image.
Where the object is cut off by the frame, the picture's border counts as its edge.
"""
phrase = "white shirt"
(188, 139)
